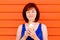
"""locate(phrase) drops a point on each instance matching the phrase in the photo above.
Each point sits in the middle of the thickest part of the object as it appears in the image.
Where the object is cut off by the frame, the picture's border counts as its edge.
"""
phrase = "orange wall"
(11, 17)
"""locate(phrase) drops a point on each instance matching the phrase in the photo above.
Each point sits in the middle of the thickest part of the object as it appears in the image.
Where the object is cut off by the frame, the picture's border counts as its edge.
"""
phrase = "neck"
(30, 22)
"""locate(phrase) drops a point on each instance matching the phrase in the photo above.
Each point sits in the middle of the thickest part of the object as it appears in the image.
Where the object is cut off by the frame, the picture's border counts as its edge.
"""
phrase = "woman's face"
(31, 14)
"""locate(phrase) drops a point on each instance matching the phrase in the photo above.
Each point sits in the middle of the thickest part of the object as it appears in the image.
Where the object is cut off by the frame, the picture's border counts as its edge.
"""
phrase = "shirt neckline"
(36, 29)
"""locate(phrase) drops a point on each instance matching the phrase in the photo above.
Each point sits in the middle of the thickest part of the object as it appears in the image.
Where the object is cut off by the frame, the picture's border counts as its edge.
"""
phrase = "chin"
(31, 20)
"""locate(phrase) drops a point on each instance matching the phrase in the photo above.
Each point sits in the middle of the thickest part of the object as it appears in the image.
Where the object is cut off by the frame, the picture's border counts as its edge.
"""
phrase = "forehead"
(31, 9)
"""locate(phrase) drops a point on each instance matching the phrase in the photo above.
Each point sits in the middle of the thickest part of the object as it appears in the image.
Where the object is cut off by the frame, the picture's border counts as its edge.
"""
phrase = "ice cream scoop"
(31, 26)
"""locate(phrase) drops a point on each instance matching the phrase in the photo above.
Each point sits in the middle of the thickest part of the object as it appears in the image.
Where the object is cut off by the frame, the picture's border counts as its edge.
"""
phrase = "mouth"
(30, 16)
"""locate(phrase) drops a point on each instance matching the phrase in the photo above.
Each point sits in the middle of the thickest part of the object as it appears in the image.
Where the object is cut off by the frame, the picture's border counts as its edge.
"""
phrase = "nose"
(30, 12)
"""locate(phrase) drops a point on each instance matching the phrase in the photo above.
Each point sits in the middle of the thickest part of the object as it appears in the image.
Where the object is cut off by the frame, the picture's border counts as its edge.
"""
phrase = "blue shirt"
(38, 33)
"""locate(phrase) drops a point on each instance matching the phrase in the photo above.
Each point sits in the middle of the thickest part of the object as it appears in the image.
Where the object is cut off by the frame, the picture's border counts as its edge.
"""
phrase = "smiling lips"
(30, 16)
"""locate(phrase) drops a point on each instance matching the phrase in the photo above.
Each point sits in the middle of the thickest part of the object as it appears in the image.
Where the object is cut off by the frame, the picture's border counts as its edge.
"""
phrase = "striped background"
(11, 17)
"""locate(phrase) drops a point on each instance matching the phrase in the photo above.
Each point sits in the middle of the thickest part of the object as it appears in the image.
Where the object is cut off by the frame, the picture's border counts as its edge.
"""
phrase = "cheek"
(34, 15)
(27, 15)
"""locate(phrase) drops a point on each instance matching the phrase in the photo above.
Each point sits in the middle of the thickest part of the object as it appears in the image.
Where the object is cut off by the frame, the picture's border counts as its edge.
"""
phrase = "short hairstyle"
(28, 6)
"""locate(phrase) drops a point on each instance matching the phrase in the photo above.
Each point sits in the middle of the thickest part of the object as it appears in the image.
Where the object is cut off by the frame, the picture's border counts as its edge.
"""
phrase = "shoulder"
(19, 27)
(44, 27)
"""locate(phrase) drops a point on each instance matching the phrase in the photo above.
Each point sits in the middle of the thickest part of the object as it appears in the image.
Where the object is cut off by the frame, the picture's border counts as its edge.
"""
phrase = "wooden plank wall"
(11, 17)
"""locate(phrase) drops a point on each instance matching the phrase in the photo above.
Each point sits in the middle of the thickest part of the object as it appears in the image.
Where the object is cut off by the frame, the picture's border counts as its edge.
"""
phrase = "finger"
(28, 32)
(30, 28)
(31, 31)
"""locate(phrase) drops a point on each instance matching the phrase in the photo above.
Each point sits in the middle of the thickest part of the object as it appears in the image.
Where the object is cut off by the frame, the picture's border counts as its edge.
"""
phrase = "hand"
(25, 36)
(32, 34)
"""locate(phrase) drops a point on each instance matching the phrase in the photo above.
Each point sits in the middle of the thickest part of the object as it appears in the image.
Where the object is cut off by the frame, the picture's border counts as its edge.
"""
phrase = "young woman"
(32, 29)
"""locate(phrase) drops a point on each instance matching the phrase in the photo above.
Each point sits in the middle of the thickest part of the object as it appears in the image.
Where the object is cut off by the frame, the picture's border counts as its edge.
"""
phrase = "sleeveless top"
(38, 32)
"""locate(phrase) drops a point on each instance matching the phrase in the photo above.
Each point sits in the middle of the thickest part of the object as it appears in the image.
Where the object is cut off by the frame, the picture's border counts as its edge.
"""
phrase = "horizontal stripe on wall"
(18, 16)
(13, 31)
(16, 23)
(27, 1)
(19, 8)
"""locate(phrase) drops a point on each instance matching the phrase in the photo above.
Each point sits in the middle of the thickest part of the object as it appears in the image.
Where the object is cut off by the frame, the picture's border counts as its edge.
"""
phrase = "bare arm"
(45, 32)
(18, 35)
